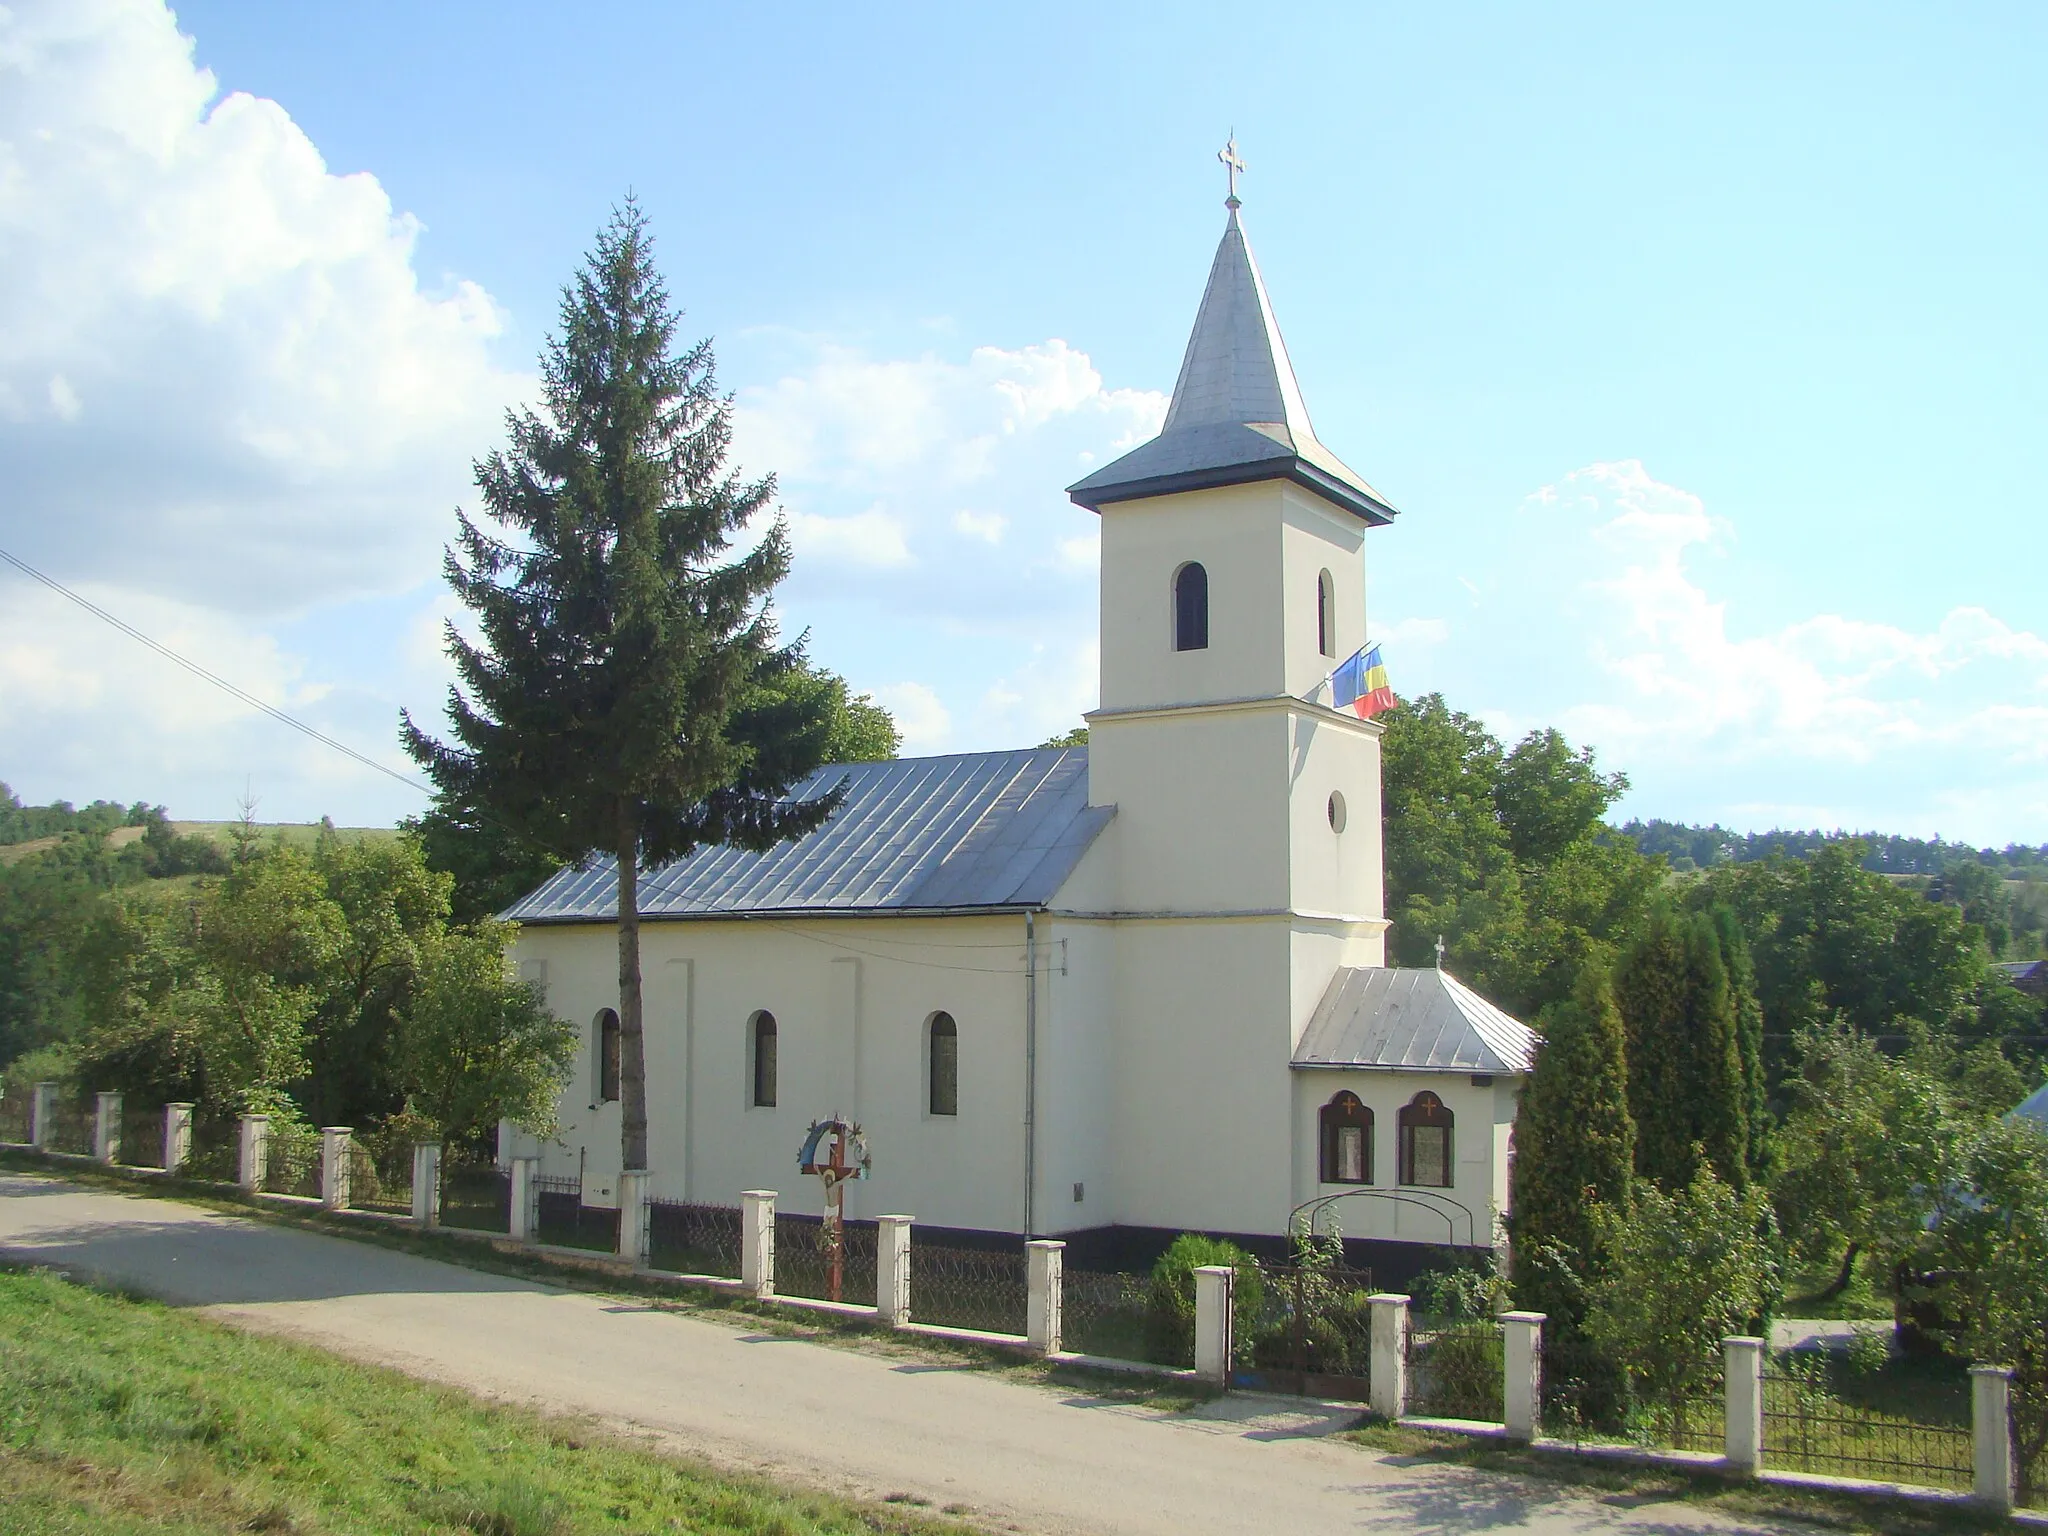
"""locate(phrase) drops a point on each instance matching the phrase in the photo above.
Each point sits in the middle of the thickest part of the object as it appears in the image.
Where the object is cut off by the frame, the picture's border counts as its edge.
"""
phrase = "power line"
(212, 677)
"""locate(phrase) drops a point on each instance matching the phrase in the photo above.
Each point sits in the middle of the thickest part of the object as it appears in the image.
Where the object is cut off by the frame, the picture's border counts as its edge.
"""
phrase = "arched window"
(1426, 1142)
(1347, 1141)
(761, 1047)
(606, 1075)
(1191, 608)
(1326, 614)
(943, 1083)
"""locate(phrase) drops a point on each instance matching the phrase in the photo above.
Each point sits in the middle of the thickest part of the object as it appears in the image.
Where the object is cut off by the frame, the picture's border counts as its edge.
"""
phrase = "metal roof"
(1414, 1020)
(971, 831)
(1237, 412)
(2034, 1106)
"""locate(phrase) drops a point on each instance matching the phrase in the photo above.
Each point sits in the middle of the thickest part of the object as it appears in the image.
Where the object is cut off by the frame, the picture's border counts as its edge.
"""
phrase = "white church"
(1109, 992)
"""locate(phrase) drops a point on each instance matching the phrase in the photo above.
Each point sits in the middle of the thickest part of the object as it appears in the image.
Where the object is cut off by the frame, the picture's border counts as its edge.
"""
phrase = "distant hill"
(1690, 846)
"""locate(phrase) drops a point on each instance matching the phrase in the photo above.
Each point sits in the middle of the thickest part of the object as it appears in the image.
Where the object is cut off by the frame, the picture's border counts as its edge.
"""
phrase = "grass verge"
(1622, 1482)
(122, 1415)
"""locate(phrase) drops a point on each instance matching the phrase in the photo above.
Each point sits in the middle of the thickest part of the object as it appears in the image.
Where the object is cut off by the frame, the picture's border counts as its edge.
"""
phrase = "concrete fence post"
(1991, 1437)
(757, 1242)
(426, 1184)
(106, 1129)
(520, 1228)
(177, 1136)
(508, 1135)
(1389, 1379)
(892, 1271)
(633, 1216)
(42, 1116)
(253, 1165)
(1045, 1280)
(1522, 1375)
(1215, 1287)
(335, 1141)
(1742, 1375)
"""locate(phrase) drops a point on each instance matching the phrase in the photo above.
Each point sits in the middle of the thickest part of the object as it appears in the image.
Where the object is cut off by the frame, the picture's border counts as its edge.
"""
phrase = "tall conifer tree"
(625, 698)
(1574, 1145)
(1687, 1090)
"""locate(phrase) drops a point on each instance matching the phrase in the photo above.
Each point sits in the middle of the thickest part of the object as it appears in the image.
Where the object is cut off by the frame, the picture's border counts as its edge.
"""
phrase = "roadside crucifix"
(846, 1158)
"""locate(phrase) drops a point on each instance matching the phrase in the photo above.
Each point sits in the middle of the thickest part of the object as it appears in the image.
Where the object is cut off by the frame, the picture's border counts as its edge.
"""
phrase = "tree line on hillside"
(1689, 846)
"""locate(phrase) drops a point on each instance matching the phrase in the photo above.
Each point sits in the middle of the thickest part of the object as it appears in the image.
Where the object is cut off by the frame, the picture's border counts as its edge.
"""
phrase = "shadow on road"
(192, 1257)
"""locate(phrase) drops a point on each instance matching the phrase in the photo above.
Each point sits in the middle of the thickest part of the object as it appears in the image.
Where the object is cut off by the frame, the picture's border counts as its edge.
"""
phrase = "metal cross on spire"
(1234, 167)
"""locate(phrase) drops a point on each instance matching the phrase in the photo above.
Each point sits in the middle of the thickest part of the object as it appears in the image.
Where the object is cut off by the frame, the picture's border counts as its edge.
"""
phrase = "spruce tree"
(1749, 1032)
(1574, 1147)
(629, 697)
(1687, 1090)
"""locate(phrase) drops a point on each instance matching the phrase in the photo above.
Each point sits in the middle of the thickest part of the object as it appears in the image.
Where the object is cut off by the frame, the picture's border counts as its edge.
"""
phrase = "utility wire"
(212, 677)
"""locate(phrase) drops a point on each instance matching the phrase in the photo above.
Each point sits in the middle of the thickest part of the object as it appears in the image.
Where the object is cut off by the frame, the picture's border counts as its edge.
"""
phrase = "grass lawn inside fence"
(125, 1416)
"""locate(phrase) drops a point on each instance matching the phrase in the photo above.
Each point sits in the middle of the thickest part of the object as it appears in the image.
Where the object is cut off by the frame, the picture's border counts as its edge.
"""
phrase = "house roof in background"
(1415, 1020)
(971, 831)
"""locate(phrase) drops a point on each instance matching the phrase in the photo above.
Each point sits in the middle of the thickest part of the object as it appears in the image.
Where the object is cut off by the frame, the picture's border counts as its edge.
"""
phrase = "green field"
(123, 1416)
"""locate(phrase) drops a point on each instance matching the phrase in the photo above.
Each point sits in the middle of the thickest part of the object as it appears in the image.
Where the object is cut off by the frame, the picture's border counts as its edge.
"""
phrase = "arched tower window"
(1347, 1141)
(607, 1044)
(943, 1086)
(1426, 1142)
(761, 1047)
(1191, 608)
(1326, 614)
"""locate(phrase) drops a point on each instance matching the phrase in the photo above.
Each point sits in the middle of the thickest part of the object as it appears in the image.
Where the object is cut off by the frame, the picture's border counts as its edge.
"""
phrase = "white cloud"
(978, 581)
(872, 538)
(989, 527)
(263, 408)
(1605, 607)
(924, 723)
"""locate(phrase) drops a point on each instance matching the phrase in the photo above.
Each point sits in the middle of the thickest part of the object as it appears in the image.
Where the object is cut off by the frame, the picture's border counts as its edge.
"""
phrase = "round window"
(1336, 810)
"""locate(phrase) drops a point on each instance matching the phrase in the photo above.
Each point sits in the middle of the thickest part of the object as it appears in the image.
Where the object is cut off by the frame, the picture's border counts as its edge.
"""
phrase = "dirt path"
(855, 1421)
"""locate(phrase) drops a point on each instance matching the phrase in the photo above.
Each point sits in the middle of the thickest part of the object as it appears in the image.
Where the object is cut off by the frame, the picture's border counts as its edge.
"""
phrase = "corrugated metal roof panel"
(980, 829)
(1418, 1020)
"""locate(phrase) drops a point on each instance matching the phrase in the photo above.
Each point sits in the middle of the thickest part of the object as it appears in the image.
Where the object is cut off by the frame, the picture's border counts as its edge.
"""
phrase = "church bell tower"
(1233, 584)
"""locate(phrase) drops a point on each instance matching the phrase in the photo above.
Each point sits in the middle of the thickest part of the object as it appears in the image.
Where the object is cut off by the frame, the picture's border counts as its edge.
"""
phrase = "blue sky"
(1702, 354)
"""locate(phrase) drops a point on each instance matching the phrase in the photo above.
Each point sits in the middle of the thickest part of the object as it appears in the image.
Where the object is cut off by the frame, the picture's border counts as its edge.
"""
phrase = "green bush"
(1170, 1314)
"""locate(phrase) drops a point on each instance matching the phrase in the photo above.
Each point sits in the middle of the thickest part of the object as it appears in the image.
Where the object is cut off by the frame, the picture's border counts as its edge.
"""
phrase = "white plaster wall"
(1202, 808)
(1078, 1087)
(851, 998)
(1479, 1157)
(1315, 537)
(1234, 533)
(1202, 1128)
(1334, 872)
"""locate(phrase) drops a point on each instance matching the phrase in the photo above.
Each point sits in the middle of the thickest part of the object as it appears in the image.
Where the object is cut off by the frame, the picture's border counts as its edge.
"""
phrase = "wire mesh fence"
(142, 1138)
(380, 1173)
(1111, 1314)
(1310, 1330)
(983, 1288)
(71, 1128)
(476, 1196)
(1456, 1368)
(2030, 1445)
(1821, 1417)
(563, 1220)
(14, 1114)
(292, 1162)
(694, 1239)
(803, 1261)
(216, 1150)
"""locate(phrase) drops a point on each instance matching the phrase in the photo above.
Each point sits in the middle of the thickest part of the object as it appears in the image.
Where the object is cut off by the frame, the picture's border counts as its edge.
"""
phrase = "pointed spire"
(1237, 413)
(1236, 367)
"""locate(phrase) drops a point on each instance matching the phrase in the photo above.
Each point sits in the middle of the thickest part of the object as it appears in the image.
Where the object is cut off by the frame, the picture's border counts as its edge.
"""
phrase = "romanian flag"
(1361, 684)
